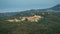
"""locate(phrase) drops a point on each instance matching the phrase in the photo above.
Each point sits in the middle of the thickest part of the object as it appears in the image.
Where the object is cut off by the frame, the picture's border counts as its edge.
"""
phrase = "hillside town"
(34, 18)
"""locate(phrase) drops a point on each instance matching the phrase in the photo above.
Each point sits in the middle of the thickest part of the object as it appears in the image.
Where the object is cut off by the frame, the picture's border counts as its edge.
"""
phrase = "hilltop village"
(34, 18)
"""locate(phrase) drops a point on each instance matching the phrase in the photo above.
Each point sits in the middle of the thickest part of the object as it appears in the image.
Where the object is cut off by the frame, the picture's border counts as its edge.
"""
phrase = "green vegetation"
(50, 24)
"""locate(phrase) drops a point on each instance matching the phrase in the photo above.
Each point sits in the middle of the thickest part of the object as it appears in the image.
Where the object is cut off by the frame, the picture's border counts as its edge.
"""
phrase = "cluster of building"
(34, 18)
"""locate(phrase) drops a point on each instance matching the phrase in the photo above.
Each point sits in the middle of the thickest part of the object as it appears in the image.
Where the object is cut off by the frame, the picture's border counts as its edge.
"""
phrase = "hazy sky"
(18, 5)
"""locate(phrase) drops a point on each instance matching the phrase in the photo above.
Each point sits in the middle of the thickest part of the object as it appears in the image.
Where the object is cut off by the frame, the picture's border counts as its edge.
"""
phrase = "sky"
(21, 5)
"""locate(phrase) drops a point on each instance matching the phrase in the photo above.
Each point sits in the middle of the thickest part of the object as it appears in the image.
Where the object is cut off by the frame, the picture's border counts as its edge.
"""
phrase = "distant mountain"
(56, 8)
(29, 12)
(38, 11)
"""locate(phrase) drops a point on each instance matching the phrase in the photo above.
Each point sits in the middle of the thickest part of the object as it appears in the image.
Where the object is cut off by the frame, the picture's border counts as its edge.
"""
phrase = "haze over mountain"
(35, 21)
(29, 16)
(54, 8)
(21, 5)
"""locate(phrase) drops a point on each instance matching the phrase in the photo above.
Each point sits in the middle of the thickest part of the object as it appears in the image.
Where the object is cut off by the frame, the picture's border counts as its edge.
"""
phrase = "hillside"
(49, 24)
(56, 8)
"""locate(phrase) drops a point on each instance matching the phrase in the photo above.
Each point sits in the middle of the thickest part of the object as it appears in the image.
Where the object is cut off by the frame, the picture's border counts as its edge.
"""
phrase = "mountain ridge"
(52, 9)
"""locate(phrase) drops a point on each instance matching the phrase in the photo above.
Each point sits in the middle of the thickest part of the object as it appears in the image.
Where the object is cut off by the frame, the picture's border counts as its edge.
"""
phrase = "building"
(34, 18)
